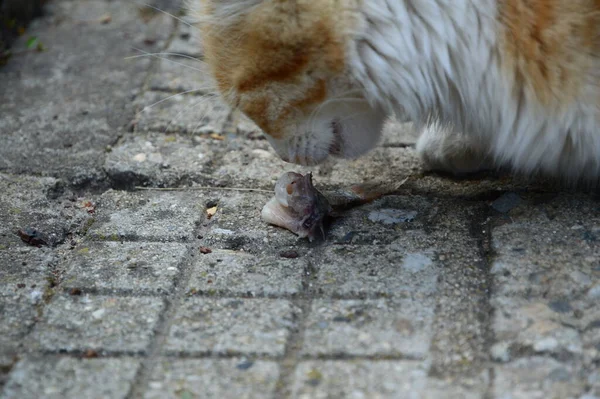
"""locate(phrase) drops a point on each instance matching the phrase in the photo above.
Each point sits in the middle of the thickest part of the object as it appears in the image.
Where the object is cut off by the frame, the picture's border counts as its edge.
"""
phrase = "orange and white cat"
(490, 82)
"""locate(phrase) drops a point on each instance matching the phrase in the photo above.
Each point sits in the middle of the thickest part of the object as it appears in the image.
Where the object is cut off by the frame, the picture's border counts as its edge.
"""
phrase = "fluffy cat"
(490, 82)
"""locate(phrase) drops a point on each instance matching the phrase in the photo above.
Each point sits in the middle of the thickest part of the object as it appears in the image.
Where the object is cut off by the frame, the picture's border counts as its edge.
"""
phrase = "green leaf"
(32, 42)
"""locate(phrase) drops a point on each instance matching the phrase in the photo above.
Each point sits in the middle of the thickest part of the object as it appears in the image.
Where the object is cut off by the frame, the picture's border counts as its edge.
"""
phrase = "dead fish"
(299, 207)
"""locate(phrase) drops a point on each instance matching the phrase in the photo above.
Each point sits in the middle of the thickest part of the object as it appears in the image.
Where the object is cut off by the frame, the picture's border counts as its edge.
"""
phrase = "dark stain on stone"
(560, 306)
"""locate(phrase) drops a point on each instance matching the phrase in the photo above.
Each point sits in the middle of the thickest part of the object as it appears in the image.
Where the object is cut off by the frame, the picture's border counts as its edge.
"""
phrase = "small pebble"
(291, 254)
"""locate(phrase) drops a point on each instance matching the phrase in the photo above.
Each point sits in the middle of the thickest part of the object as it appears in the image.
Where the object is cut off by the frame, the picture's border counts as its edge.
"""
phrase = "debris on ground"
(31, 236)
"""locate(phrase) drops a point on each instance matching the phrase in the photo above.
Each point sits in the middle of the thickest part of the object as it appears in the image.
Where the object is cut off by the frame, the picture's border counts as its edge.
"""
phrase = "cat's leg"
(445, 150)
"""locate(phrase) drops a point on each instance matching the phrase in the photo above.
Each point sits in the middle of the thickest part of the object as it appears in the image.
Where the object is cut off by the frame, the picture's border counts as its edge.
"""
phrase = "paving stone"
(28, 202)
(147, 215)
(19, 314)
(101, 323)
(522, 326)
(53, 100)
(237, 224)
(179, 113)
(71, 378)
(551, 249)
(399, 219)
(359, 379)
(212, 378)
(537, 377)
(397, 133)
(124, 266)
(187, 40)
(156, 159)
(545, 267)
(261, 164)
(238, 273)
(369, 328)
(223, 326)
(25, 270)
(458, 349)
(352, 270)
(180, 74)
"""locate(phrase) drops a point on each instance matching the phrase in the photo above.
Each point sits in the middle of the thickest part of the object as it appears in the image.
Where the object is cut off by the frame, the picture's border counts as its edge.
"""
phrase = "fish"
(299, 207)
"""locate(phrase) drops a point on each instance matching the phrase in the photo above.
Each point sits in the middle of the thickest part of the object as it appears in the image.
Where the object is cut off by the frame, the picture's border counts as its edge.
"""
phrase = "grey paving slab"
(237, 224)
(138, 267)
(54, 377)
(19, 314)
(397, 133)
(551, 249)
(157, 159)
(369, 328)
(359, 379)
(100, 323)
(213, 378)
(461, 334)
(187, 40)
(232, 325)
(147, 215)
(171, 112)
(64, 105)
(378, 379)
(180, 74)
(25, 270)
(545, 272)
(537, 378)
(522, 326)
(359, 270)
(30, 202)
(392, 219)
(239, 273)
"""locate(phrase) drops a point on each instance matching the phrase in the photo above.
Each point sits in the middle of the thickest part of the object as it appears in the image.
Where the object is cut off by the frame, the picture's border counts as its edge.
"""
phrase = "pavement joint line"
(165, 318)
(108, 354)
(293, 348)
(481, 230)
(224, 294)
(163, 326)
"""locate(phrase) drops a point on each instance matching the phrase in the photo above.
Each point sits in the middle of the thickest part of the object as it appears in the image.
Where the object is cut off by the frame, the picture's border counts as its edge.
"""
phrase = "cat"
(490, 83)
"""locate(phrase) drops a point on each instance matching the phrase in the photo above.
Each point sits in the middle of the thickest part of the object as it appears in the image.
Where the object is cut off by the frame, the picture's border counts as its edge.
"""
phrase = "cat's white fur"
(440, 64)
(438, 61)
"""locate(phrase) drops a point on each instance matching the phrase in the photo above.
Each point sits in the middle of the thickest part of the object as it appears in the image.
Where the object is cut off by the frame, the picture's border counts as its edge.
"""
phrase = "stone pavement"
(472, 288)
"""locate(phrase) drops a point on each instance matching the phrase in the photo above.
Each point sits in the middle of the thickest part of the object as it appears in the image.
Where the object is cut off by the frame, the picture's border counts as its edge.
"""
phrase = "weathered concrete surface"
(151, 274)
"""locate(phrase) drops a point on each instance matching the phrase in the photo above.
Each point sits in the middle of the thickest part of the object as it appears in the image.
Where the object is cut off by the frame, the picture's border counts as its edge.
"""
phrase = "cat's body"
(492, 82)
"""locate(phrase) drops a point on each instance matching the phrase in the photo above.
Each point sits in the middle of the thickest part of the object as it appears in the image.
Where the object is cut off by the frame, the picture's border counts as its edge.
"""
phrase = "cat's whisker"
(167, 54)
(146, 108)
(186, 108)
(168, 59)
(169, 14)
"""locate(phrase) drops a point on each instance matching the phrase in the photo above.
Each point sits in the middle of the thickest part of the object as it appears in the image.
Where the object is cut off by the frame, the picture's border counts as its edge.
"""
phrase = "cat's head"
(284, 64)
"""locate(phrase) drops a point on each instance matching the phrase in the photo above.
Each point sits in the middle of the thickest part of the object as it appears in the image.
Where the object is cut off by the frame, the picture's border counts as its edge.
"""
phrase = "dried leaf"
(205, 250)
(211, 211)
(105, 19)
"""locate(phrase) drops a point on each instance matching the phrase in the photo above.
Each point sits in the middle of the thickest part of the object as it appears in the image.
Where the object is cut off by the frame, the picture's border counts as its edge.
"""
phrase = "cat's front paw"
(443, 150)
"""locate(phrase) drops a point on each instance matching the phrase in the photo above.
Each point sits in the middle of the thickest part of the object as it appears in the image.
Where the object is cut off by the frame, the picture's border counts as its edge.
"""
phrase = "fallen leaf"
(105, 19)
(211, 211)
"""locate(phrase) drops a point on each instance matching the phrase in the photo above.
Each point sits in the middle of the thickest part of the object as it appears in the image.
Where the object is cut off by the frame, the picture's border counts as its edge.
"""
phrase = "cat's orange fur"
(524, 75)
(270, 55)
(546, 45)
